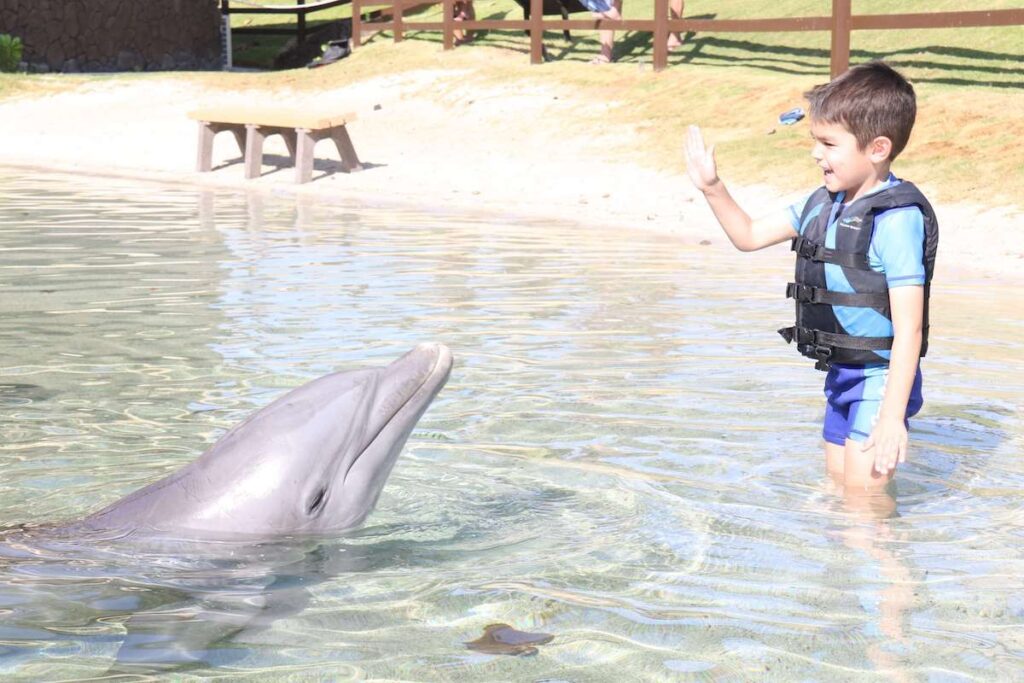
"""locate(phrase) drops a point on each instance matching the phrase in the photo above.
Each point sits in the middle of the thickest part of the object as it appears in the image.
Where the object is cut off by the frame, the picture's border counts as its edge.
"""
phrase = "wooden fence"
(840, 23)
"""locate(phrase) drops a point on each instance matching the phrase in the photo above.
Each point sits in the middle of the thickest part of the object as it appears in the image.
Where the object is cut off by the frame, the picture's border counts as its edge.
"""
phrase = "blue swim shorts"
(598, 6)
(854, 398)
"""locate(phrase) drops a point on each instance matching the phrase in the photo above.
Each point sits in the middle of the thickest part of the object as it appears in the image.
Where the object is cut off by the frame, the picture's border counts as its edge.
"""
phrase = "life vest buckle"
(804, 294)
(807, 249)
(824, 355)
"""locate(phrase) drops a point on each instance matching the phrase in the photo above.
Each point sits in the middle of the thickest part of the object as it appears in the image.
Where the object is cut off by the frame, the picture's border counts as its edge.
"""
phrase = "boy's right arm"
(745, 233)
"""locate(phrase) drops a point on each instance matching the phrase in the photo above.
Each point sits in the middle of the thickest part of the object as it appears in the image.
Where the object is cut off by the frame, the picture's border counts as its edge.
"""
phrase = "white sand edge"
(516, 155)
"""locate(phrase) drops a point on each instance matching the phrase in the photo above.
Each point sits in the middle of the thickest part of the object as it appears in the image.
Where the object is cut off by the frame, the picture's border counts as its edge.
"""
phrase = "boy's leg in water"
(835, 429)
(859, 468)
(846, 463)
(835, 456)
(853, 401)
(859, 464)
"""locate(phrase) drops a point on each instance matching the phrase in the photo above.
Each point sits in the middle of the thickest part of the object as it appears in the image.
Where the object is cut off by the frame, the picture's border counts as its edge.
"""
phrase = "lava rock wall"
(115, 35)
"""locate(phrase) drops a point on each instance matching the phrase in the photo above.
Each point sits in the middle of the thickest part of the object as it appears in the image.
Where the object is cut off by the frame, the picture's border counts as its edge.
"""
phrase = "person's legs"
(835, 461)
(859, 471)
(675, 10)
(836, 426)
(859, 464)
(607, 38)
(464, 12)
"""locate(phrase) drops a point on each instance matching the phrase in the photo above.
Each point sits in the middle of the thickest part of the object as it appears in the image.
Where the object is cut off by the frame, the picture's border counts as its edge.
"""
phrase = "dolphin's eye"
(318, 500)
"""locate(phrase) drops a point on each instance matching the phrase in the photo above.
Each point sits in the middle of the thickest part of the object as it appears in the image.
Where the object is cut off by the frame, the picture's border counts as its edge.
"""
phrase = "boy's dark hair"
(869, 100)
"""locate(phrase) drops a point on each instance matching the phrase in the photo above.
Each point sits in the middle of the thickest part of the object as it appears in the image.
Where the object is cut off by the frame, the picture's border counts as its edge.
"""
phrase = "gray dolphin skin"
(313, 462)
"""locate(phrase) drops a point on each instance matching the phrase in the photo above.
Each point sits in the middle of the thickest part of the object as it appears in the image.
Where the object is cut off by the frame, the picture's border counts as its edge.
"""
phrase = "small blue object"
(790, 117)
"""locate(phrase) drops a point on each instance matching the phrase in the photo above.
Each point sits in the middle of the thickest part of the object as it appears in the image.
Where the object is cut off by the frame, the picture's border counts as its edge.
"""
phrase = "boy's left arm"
(889, 436)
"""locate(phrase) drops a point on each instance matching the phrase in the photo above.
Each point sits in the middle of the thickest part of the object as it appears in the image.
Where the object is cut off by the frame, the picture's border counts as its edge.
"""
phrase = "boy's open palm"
(700, 160)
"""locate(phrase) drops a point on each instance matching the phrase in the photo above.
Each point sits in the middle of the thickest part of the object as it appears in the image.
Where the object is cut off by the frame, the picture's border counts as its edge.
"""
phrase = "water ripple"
(625, 457)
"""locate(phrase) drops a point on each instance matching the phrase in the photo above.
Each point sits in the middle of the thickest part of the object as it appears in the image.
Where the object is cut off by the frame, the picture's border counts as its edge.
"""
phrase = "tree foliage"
(10, 52)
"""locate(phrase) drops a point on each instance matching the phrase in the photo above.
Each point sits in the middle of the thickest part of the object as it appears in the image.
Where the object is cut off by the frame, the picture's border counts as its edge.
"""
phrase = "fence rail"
(840, 23)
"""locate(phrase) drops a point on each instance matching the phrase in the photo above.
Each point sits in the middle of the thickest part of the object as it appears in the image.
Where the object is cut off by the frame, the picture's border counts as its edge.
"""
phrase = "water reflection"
(170, 605)
(863, 525)
(624, 458)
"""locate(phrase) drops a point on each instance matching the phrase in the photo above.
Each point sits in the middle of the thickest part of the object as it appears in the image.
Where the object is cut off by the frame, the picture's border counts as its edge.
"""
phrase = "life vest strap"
(822, 345)
(806, 294)
(803, 335)
(813, 251)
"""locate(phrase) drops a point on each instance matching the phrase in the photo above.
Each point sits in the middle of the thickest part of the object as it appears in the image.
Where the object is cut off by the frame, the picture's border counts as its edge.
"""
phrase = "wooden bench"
(251, 126)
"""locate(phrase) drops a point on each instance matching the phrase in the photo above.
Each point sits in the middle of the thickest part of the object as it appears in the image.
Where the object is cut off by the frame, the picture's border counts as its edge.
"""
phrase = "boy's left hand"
(889, 439)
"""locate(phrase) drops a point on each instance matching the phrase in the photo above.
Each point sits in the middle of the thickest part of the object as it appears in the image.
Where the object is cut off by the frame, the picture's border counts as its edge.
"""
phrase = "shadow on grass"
(962, 66)
(815, 61)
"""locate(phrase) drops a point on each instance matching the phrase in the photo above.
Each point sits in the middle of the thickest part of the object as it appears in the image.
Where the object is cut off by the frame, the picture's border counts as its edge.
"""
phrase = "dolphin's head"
(401, 393)
(314, 461)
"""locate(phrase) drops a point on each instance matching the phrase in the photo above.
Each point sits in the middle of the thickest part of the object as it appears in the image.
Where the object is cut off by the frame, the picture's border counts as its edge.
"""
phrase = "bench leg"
(349, 159)
(304, 144)
(253, 150)
(204, 157)
(239, 133)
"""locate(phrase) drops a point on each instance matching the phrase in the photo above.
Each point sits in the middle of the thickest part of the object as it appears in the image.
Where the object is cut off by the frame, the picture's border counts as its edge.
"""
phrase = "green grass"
(971, 56)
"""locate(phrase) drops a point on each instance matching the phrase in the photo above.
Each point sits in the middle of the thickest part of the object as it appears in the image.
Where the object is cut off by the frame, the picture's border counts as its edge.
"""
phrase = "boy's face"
(846, 166)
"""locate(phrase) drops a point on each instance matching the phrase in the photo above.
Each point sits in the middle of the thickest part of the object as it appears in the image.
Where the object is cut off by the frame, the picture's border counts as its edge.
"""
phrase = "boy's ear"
(880, 149)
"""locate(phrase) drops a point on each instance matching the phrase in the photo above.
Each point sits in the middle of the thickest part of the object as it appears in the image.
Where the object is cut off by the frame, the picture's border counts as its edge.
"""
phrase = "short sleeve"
(897, 246)
(794, 211)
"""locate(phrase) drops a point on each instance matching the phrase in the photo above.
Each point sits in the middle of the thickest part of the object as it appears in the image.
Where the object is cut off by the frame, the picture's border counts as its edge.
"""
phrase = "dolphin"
(229, 543)
(313, 462)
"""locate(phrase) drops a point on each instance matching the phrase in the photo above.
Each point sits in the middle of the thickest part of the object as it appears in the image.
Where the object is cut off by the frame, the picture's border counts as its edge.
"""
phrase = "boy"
(865, 246)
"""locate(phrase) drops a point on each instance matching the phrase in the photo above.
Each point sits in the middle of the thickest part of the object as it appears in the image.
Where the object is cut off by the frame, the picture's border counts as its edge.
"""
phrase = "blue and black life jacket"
(818, 332)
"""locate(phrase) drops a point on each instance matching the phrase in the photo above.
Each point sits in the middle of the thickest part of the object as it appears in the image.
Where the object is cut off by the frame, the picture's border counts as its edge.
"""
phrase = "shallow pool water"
(626, 456)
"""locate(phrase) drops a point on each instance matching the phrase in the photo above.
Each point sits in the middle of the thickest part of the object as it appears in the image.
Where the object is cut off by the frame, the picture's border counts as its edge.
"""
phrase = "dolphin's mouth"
(414, 397)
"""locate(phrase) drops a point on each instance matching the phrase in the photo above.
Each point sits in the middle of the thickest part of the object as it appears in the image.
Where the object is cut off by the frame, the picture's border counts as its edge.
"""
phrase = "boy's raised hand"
(700, 161)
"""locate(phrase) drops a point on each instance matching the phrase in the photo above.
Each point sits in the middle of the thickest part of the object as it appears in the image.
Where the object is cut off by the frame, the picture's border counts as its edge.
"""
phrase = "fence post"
(840, 36)
(448, 6)
(536, 31)
(225, 27)
(300, 24)
(660, 34)
(356, 39)
(396, 20)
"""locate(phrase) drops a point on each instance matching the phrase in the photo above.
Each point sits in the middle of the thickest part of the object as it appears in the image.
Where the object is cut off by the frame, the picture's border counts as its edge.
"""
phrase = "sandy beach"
(524, 149)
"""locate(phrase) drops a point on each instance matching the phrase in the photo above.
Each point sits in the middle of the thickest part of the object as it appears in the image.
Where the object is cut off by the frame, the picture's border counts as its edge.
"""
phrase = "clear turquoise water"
(626, 456)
